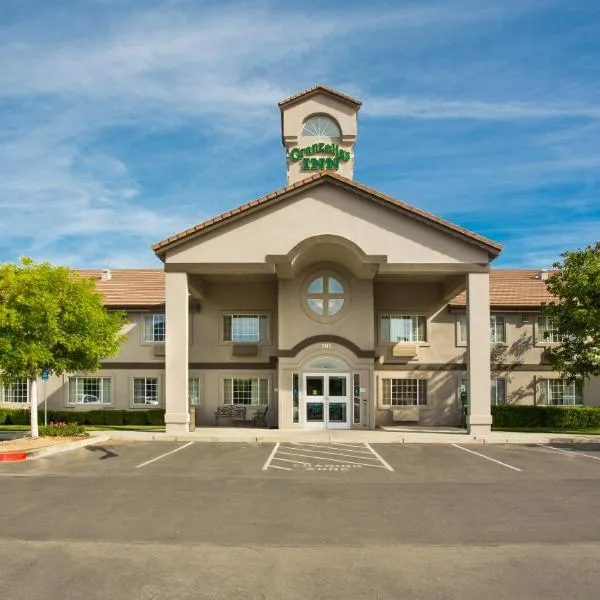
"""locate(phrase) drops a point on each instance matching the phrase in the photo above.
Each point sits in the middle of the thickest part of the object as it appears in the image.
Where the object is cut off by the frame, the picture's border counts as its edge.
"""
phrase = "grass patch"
(125, 427)
(14, 428)
(583, 431)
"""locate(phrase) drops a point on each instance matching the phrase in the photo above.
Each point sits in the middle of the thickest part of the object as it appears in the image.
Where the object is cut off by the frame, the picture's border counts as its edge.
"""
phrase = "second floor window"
(402, 328)
(497, 329)
(547, 333)
(251, 328)
(154, 328)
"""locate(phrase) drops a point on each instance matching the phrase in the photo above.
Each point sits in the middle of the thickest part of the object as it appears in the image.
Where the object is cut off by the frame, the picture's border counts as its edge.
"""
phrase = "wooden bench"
(233, 412)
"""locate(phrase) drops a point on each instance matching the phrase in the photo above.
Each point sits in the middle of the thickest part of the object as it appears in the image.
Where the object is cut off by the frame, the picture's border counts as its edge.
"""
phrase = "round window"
(325, 295)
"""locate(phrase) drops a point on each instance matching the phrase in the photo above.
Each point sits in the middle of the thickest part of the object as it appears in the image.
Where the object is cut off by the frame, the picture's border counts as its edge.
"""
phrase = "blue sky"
(124, 121)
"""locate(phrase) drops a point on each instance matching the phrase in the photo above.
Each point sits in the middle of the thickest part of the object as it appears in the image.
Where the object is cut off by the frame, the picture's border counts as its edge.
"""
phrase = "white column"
(479, 418)
(176, 353)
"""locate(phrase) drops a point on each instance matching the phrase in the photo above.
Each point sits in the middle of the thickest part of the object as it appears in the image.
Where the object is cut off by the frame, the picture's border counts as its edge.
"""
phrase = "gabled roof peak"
(319, 88)
(493, 248)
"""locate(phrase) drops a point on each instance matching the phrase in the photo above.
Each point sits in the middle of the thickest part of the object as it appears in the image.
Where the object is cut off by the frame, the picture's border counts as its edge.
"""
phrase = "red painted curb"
(12, 456)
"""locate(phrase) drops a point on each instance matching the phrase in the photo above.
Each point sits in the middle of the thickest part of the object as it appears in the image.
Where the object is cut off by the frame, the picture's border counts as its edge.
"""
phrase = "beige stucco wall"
(232, 296)
(355, 322)
(326, 210)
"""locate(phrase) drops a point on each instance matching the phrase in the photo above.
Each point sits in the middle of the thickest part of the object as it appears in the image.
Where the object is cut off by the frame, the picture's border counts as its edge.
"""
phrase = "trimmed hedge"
(20, 416)
(566, 417)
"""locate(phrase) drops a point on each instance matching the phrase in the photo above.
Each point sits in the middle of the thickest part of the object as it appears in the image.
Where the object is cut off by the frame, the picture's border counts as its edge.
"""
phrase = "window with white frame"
(17, 392)
(560, 392)
(547, 333)
(195, 391)
(89, 390)
(154, 328)
(498, 389)
(497, 329)
(245, 390)
(146, 391)
(402, 328)
(403, 392)
(246, 328)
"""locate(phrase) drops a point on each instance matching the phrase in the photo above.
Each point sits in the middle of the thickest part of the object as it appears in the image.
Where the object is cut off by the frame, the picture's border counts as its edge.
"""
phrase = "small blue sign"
(45, 374)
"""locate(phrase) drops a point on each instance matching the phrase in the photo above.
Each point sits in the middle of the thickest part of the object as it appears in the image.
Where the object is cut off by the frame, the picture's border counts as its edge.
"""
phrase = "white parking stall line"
(341, 444)
(383, 462)
(268, 461)
(328, 458)
(499, 462)
(569, 451)
(299, 462)
(163, 455)
(282, 468)
(332, 453)
(331, 447)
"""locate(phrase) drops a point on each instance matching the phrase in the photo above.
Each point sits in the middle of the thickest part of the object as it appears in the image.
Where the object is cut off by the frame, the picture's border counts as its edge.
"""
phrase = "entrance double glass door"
(326, 401)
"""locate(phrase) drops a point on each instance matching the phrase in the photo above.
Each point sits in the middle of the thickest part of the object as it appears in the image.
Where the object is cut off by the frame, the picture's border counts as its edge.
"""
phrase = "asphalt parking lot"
(296, 520)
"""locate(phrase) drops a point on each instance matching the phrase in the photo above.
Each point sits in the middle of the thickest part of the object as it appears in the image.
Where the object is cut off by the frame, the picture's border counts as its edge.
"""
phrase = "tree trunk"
(33, 399)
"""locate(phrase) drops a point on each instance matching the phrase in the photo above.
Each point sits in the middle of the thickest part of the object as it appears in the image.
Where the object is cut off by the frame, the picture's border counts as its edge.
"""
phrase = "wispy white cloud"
(80, 100)
(469, 109)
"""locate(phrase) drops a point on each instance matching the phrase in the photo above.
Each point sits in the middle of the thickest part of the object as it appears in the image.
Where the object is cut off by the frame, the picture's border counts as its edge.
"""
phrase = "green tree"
(576, 313)
(53, 319)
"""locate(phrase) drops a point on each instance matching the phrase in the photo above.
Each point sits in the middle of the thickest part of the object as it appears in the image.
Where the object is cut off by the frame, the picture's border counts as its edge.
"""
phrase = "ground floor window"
(560, 392)
(195, 391)
(497, 393)
(404, 392)
(146, 391)
(17, 392)
(89, 390)
(247, 390)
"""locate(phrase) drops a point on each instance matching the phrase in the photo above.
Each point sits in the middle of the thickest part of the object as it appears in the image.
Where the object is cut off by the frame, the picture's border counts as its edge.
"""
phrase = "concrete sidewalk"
(379, 436)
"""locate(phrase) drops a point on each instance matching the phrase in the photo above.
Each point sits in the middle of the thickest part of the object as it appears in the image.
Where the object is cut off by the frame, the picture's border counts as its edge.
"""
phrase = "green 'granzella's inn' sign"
(332, 162)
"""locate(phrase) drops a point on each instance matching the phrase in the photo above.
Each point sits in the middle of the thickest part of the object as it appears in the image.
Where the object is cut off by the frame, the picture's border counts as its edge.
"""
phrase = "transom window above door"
(325, 295)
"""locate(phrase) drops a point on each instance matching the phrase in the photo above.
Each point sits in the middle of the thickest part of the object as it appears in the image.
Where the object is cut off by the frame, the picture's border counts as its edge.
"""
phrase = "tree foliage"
(52, 318)
(576, 313)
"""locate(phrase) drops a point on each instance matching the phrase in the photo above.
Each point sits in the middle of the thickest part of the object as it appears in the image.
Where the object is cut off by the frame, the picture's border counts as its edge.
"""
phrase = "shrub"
(566, 417)
(3, 416)
(18, 416)
(114, 417)
(136, 417)
(66, 416)
(62, 429)
(94, 417)
(155, 417)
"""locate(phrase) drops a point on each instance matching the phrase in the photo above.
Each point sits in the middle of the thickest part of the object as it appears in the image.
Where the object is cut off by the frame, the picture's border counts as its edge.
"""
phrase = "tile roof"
(517, 288)
(130, 288)
(315, 89)
(492, 247)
